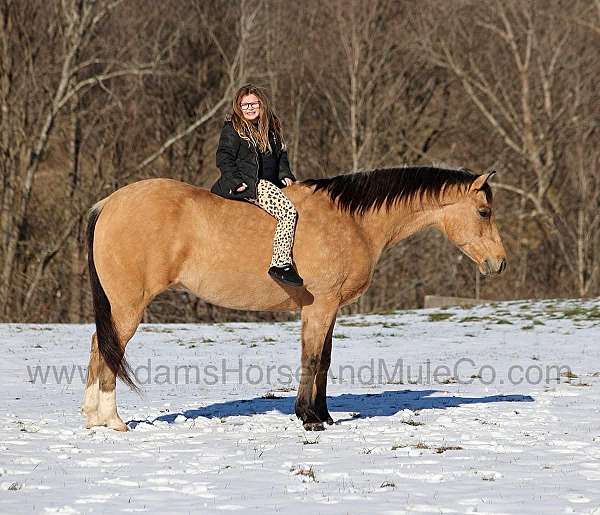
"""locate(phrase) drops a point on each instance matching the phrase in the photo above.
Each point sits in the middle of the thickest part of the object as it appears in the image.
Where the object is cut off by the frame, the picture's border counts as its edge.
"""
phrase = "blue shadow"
(382, 404)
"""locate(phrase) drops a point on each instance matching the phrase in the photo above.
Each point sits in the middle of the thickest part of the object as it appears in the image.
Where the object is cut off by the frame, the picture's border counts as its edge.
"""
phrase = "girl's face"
(250, 105)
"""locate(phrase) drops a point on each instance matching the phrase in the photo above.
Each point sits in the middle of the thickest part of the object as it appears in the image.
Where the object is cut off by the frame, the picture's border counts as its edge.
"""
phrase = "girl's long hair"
(258, 135)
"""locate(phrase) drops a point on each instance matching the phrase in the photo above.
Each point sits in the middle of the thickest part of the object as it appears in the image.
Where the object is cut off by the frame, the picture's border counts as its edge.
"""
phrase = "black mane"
(361, 191)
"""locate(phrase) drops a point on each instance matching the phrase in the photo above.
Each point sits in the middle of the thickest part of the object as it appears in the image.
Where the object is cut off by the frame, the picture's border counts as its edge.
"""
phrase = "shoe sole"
(287, 283)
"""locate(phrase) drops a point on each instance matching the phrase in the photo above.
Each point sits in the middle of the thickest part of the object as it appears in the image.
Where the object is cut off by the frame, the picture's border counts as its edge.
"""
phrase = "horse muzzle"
(492, 266)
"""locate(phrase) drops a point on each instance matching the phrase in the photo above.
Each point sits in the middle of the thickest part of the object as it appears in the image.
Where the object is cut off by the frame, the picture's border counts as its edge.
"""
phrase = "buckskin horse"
(155, 234)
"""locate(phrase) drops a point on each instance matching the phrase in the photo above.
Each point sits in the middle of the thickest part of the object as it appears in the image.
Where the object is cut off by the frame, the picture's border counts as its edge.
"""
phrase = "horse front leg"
(320, 385)
(317, 320)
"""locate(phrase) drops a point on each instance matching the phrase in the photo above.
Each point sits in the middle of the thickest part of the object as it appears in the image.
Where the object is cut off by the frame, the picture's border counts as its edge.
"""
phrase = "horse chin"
(484, 268)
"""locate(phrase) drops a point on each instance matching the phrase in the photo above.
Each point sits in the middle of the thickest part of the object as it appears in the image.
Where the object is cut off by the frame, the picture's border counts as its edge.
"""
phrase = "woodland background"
(97, 94)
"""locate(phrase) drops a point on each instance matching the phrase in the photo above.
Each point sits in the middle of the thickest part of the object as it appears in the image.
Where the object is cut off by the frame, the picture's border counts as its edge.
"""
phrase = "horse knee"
(310, 365)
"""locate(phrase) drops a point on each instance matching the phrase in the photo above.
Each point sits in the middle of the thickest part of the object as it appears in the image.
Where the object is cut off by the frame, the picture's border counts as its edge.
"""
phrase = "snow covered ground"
(439, 411)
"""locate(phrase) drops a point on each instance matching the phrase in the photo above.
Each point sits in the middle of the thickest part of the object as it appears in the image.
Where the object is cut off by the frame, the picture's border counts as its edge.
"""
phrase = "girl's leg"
(274, 202)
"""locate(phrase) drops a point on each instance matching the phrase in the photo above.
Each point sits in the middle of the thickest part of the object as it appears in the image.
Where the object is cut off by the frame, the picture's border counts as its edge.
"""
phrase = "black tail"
(108, 340)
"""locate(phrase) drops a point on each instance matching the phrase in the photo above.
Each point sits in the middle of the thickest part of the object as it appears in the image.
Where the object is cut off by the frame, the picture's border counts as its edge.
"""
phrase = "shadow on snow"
(382, 404)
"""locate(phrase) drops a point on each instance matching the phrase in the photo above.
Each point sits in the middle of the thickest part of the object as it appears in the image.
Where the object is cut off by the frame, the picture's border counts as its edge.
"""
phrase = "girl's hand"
(287, 182)
(241, 187)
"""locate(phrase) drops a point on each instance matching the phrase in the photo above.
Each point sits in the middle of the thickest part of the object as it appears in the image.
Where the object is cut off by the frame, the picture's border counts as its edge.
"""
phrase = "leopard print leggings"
(273, 201)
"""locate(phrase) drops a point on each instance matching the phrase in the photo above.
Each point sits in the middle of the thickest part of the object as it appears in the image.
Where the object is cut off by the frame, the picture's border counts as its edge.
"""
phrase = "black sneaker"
(286, 274)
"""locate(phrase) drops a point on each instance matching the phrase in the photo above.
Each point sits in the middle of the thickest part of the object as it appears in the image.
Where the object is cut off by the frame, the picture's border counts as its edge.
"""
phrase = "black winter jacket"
(237, 159)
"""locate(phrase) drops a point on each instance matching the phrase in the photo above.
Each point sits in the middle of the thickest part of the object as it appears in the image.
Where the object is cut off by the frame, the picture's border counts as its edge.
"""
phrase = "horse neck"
(385, 228)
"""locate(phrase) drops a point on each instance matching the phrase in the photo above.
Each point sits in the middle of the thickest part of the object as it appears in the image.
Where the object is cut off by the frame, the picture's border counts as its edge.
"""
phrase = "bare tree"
(97, 94)
(73, 31)
(526, 82)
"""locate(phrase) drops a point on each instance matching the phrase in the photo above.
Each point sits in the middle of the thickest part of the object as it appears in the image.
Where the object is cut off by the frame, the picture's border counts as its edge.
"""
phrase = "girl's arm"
(284, 167)
(227, 151)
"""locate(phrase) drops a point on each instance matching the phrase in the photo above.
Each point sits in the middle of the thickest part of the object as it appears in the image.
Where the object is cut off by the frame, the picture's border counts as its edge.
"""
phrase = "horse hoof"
(314, 426)
(324, 417)
(117, 425)
(91, 421)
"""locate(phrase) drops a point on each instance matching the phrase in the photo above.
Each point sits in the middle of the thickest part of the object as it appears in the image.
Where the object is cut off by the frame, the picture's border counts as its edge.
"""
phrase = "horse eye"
(485, 212)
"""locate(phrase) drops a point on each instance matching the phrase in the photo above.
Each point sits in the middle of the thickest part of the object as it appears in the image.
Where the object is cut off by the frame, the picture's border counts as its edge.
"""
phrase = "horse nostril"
(502, 266)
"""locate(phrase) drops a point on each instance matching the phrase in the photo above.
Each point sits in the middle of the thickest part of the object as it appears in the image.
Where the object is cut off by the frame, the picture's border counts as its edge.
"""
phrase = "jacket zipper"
(257, 166)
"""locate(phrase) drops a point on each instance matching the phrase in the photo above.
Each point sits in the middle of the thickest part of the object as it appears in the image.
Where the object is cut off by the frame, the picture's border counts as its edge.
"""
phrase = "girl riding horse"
(254, 167)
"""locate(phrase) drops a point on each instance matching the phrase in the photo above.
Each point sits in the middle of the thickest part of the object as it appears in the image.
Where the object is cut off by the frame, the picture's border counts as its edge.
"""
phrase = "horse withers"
(156, 234)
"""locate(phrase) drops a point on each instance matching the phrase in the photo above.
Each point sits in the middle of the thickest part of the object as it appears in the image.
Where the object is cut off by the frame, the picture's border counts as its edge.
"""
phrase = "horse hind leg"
(89, 407)
(97, 413)
(126, 321)
(116, 319)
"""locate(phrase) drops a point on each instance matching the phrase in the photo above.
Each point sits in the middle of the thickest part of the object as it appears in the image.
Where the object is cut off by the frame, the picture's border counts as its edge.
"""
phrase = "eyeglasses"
(248, 106)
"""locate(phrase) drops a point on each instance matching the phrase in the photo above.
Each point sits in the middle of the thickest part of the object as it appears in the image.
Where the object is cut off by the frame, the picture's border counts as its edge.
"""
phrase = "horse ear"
(481, 181)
